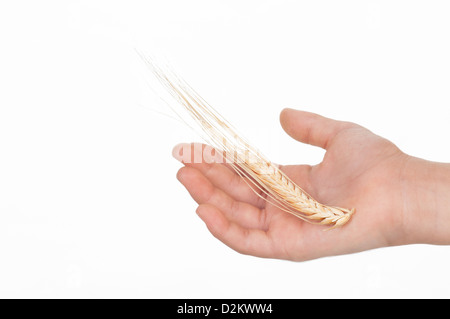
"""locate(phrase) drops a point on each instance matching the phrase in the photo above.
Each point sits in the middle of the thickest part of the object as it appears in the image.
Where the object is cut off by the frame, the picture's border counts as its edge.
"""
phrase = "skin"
(399, 199)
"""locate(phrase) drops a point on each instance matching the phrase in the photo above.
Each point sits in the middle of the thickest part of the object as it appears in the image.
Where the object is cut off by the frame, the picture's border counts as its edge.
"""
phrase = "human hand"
(359, 169)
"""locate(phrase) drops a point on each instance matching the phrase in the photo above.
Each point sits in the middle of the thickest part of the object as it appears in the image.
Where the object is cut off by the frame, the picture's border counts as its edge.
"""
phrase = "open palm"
(360, 170)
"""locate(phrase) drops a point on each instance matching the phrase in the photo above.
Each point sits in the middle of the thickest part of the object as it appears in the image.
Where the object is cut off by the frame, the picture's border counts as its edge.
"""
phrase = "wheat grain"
(273, 185)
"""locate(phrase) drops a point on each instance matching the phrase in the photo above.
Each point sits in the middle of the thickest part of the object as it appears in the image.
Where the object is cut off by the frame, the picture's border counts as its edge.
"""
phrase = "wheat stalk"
(273, 185)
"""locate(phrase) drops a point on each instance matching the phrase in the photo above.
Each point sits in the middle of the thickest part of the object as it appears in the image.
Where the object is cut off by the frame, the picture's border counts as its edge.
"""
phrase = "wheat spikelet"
(273, 185)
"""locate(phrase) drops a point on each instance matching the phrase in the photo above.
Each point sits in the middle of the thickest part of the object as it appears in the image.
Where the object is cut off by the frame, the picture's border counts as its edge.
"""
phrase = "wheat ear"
(269, 182)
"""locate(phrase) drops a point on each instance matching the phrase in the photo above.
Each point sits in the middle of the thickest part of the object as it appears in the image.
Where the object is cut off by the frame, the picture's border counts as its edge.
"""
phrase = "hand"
(360, 170)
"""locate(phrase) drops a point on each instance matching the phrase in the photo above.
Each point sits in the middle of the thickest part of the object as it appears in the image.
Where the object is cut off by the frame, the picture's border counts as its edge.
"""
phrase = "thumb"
(310, 128)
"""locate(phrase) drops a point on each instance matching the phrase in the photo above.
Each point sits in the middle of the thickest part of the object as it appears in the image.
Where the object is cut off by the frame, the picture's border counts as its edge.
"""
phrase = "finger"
(311, 128)
(204, 192)
(245, 241)
(201, 156)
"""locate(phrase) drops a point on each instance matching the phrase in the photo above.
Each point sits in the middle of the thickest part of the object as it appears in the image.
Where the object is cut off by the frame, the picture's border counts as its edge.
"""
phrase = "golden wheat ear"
(269, 182)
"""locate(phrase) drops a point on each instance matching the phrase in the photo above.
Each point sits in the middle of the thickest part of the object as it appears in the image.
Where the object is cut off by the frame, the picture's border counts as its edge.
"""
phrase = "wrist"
(425, 188)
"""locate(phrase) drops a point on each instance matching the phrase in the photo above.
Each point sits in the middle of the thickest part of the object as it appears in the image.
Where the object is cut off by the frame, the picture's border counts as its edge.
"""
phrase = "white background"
(89, 202)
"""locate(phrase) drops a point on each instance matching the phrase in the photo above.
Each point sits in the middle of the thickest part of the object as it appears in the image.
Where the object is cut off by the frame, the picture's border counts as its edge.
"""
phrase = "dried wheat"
(273, 185)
